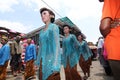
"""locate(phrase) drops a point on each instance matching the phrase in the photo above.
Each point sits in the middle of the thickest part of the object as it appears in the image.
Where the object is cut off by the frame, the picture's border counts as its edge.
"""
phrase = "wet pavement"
(97, 73)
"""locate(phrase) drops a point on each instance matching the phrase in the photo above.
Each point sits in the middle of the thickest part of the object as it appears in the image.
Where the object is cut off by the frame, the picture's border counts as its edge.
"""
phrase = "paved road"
(97, 73)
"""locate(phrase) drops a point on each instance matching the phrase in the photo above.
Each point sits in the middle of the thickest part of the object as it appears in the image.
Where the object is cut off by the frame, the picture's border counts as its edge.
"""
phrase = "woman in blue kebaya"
(49, 58)
(85, 56)
(4, 58)
(30, 57)
(70, 55)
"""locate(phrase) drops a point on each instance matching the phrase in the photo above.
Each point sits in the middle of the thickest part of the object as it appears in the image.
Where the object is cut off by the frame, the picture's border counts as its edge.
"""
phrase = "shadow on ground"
(105, 77)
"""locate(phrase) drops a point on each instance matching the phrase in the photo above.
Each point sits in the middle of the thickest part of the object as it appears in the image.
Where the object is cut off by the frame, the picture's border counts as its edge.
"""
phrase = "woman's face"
(3, 41)
(45, 16)
(29, 41)
(79, 37)
(66, 30)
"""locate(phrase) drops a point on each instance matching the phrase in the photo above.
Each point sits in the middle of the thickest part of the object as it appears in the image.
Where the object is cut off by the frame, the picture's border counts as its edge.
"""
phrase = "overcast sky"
(23, 15)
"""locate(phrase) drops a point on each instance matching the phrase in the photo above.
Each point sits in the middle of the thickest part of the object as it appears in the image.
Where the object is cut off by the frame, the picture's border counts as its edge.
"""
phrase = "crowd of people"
(11, 53)
(75, 50)
(49, 59)
(103, 56)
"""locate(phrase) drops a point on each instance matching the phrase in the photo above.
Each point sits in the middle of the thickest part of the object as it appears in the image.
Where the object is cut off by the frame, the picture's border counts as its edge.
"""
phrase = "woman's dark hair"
(78, 34)
(67, 26)
(101, 0)
(53, 17)
(50, 12)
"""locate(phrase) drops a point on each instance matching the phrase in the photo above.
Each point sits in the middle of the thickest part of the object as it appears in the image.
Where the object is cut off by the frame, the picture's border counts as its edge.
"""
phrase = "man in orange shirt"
(110, 29)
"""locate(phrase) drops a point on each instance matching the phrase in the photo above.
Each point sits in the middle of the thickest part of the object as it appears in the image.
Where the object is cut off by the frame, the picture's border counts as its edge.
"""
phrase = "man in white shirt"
(100, 48)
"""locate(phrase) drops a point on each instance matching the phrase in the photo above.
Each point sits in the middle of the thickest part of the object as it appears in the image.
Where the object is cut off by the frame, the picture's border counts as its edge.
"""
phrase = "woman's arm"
(105, 26)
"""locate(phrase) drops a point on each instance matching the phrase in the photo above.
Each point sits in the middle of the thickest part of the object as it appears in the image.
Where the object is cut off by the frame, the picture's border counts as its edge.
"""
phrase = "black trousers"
(115, 66)
(15, 62)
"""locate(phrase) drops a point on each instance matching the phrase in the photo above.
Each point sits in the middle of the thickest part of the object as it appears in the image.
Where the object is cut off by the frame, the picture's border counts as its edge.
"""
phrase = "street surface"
(97, 73)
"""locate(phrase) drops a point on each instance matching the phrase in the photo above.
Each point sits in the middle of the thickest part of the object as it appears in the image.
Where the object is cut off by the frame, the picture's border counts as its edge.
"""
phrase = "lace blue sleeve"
(88, 50)
(63, 56)
(57, 61)
(37, 62)
(74, 57)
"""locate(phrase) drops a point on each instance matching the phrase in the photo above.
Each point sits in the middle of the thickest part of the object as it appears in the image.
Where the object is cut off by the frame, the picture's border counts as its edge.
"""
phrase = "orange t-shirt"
(111, 9)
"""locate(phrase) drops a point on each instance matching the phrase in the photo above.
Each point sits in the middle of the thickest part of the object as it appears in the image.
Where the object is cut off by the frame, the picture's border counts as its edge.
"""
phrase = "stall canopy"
(67, 21)
(8, 32)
